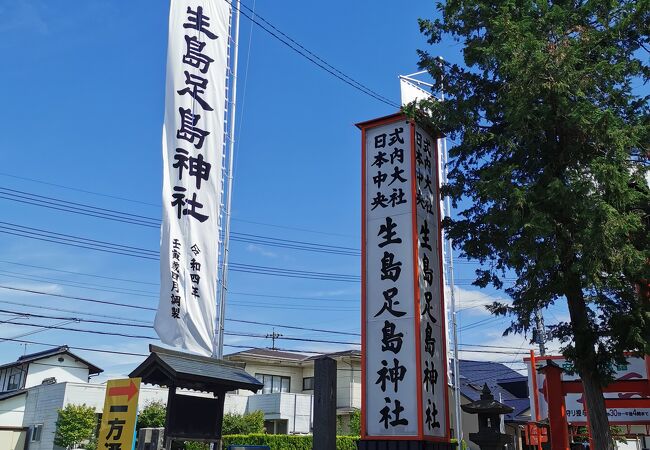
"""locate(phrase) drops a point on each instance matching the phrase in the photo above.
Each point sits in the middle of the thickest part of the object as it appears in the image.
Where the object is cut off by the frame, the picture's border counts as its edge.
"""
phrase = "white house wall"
(296, 409)
(294, 373)
(42, 406)
(67, 370)
(348, 384)
(12, 410)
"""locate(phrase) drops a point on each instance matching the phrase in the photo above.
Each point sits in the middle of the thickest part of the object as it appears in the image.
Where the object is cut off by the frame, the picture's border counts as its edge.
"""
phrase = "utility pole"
(540, 332)
(273, 337)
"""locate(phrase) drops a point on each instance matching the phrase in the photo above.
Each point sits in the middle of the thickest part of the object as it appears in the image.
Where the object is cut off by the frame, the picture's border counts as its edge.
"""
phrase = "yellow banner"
(120, 409)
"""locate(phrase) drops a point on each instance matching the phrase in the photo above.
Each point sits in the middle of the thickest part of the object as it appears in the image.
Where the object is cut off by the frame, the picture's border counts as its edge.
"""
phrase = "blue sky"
(83, 95)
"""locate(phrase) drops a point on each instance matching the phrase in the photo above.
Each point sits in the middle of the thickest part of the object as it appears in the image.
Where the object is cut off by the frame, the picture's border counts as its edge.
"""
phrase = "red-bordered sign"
(404, 364)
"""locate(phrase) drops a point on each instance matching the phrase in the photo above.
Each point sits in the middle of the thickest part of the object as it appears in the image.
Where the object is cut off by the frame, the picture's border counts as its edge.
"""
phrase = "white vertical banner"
(193, 151)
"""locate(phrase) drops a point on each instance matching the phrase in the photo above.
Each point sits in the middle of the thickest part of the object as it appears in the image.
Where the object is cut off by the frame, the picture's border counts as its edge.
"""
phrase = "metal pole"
(452, 294)
(231, 152)
(541, 332)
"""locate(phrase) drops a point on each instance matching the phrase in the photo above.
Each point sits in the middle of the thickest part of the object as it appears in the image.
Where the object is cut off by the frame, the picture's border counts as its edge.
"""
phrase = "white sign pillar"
(404, 387)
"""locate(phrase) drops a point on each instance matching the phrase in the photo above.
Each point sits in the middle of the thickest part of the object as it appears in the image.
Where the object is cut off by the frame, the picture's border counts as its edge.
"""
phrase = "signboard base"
(403, 444)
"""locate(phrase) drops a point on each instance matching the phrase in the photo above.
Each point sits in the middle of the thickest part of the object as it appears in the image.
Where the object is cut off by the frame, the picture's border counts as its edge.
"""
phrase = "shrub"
(152, 415)
(286, 441)
(252, 423)
(75, 425)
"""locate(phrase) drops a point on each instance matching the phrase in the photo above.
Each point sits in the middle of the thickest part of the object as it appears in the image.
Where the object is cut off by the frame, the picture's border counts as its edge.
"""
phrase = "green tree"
(251, 423)
(75, 425)
(547, 165)
(152, 415)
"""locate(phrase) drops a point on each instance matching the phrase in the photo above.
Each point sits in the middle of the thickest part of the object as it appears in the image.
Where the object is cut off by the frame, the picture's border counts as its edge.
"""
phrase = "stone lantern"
(489, 411)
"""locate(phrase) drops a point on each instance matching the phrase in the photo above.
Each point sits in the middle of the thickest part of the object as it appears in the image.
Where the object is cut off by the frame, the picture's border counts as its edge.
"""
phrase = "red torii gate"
(555, 389)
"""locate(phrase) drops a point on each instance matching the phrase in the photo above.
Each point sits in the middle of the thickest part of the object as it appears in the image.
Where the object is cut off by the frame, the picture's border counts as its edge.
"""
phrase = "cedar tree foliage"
(548, 166)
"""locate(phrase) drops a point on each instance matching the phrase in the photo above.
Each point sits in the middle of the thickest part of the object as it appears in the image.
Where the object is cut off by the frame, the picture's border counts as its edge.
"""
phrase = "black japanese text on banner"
(193, 142)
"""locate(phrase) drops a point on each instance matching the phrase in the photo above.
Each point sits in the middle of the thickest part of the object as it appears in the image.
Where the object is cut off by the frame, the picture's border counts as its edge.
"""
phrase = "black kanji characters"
(196, 167)
(389, 233)
(188, 130)
(397, 197)
(396, 412)
(396, 136)
(116, 426)
(397, 175)
(424, 236)
(427, 309)
(379, 159)
(379, 178)
(427, 272)
(429, 340)
(196, 85)
(390, 269)
(380, 140)
(393, 375)
(193, 54)
(389, 294)
(430, 376)
(179, 201)
(379, 200)
(196, 20)
(390, 340)
(431, 414)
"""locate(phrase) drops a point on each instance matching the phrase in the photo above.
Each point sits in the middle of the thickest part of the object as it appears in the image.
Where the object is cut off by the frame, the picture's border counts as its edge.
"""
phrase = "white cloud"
(260, 251)
(473, 301)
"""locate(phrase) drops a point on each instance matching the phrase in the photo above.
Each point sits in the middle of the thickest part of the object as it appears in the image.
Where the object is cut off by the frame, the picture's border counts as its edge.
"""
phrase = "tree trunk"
(585, 342)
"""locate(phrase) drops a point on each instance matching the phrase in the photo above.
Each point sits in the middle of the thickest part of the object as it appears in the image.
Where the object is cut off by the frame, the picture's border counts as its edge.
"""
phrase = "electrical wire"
(298, 48)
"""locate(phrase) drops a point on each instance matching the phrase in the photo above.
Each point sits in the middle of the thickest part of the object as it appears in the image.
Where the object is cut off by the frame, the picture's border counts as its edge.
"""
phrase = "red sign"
(532, 434)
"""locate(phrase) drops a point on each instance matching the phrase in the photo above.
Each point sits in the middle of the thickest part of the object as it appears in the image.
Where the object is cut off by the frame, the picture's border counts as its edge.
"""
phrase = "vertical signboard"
(404, 366)
(193, 141)
(433, 360)
(117, 429)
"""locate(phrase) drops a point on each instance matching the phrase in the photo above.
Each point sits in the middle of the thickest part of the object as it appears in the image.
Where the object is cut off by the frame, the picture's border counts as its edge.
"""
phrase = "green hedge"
(286, 441)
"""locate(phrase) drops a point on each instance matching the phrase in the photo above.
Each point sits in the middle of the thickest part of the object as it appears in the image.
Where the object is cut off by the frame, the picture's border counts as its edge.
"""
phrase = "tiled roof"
(166, 367)
(473, 374)
(268, 353)
(63, 349)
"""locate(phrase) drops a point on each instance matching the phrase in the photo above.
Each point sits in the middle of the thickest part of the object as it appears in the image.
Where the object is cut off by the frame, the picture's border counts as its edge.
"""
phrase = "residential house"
(287, 396)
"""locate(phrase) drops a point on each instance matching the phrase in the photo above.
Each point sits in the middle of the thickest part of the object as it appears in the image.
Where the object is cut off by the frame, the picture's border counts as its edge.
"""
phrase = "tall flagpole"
(452, 291)
(231, 152)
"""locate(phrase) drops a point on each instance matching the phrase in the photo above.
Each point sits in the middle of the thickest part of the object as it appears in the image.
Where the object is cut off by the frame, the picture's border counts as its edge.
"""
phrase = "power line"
(125, 250)
(77, 273)
(229, 333)
(23, 197)
(51, 308)
(75, 284)
(92, 300)
(302, 51)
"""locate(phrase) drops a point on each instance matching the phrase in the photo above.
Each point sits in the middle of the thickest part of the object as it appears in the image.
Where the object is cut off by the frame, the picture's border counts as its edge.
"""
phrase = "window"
(13, 382)
(273, 383)
(36, 432)
(308, 384)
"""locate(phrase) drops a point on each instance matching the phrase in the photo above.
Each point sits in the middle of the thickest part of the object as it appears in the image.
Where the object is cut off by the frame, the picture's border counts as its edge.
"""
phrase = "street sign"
(117, 429)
